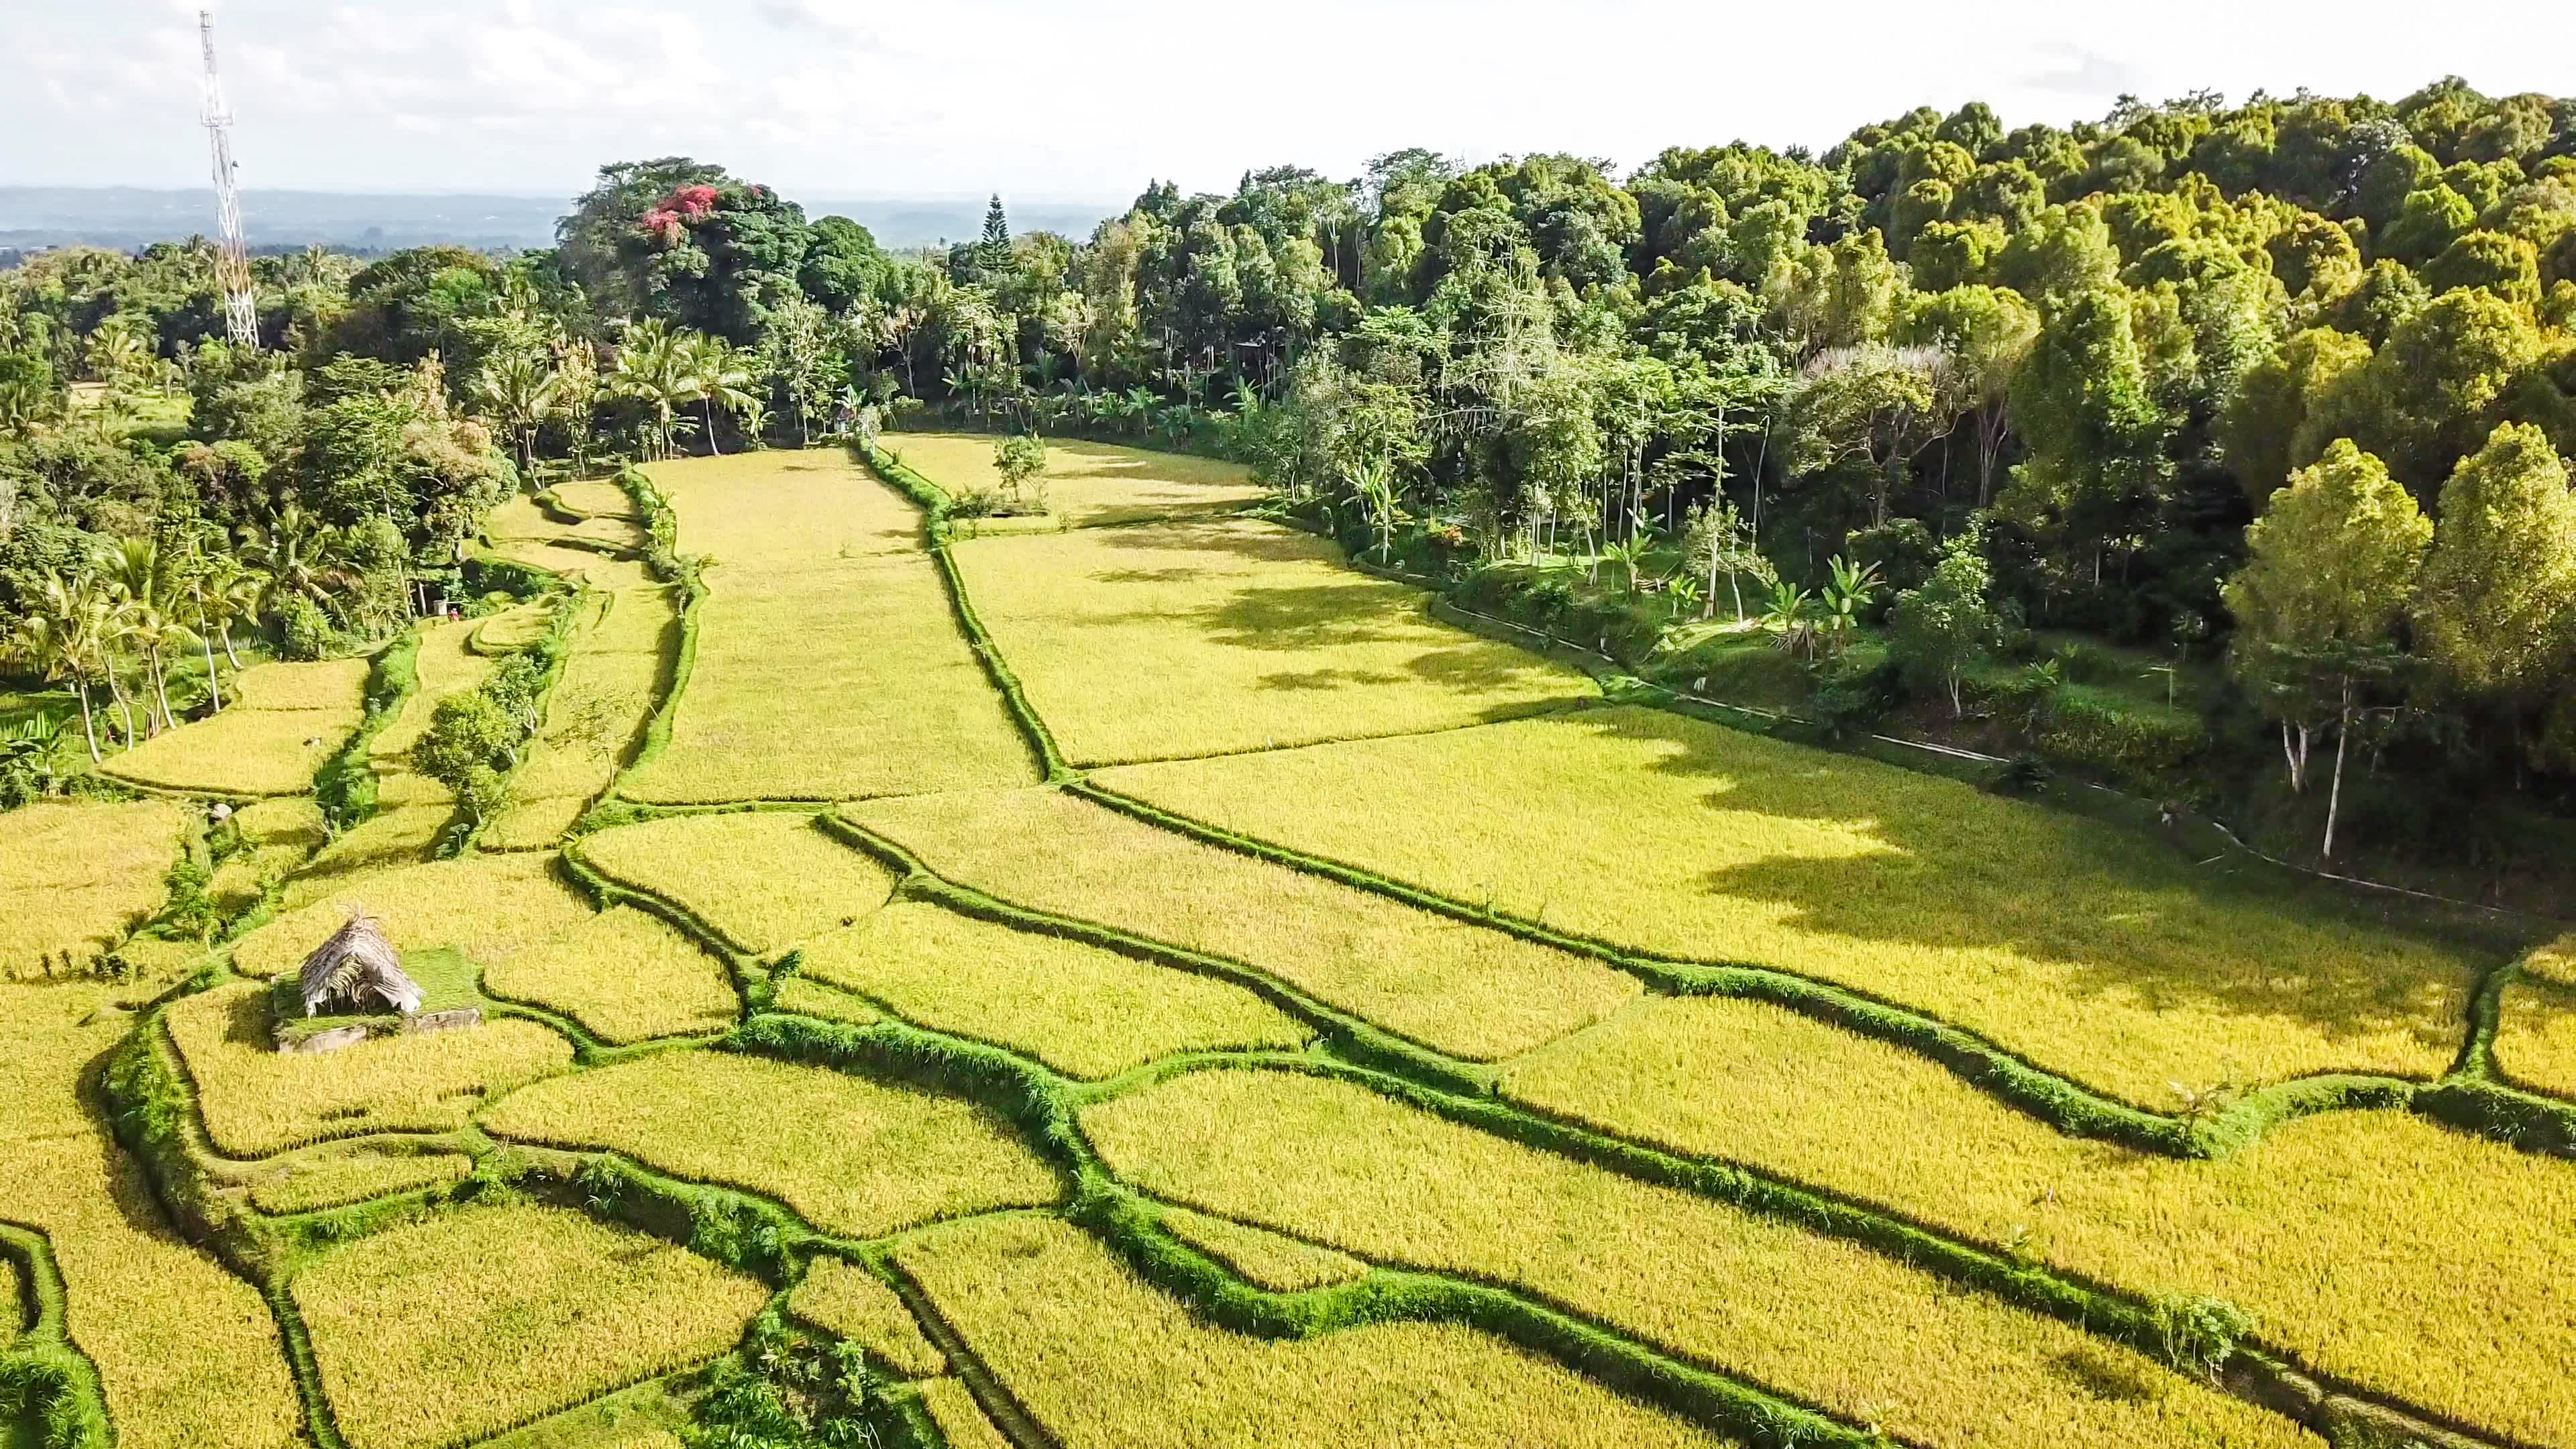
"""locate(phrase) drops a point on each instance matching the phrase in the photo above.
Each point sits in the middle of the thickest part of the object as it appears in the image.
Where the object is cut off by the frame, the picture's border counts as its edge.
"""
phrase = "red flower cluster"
(685, 204)
(662, 226)
(692, 202)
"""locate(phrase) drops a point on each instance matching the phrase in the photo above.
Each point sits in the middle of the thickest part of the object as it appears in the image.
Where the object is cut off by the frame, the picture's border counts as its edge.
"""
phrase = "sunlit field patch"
(288, 720)
(281, 835)
(1083, 1010)
(1282, 1265)
(1474, 992)
(1039, 1301)
(804, 996)
(1818, 1318)
(828, 665)
(847, 1300)
(625, 974)
(2379, 1246)
(2536, 1036)
(2079, 946)
(330, 1178)
(646, 1416)
(257, 1100)
(853, 1156)
(1198, 638)
(487, 906)
(78, 877)
(188, 1353)
(594, 716)
(960, 1419)
(521, 532)
(766, 879)
(1086, 483)
(456, 1326)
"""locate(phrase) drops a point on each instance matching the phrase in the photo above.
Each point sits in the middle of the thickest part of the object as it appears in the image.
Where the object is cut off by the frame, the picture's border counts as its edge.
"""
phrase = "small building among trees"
(357, 972)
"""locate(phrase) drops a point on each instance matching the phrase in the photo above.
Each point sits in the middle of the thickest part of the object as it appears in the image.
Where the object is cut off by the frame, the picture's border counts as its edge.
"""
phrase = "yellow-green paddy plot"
(332, 1176)
(621, 645)
(1105, 1362)
(600, 554)
(625, 974)
(257, 1100)
(279, 836)
(78, 877)
(1820, 1319)
(1086, 483)
(2424, 1263)
(288, 719)
(2536, 1036)
(1473, 992)
(828, 663)
(411, 808)
(2083, 948)
(454, 1327)
(960, 1419)
(853, 1156)
(489, 907)
(189, 1354)
(764, 879)
(1078, 1008)
(848, 1300)
(1172, 640)
(1282, 1265)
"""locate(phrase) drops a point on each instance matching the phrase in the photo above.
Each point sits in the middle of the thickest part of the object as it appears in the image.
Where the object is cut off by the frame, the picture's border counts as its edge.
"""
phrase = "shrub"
(304, 631)
(1021, 460)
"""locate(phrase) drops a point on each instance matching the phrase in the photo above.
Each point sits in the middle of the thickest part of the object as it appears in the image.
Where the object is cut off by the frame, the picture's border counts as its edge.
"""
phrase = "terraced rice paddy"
(1823, 1320)
(288, 719)
(1082, 1010)
(1231, 635)
(850, 1302)
(625, 974)
(2536, 1037)
(602, 554)
(2072, 945)
(489, 907)
(827, 666)
(854, 1157)
(621, 648)
(536, 1308)
(79, 877)
(764, 880)
(336, 1178)
(1087, 484)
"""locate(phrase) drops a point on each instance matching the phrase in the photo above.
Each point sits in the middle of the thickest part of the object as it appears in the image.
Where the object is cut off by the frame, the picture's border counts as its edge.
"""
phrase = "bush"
(307, 633)
(469, 735)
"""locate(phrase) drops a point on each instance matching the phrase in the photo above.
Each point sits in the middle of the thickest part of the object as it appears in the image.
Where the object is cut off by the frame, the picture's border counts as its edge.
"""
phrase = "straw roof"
(357, 972)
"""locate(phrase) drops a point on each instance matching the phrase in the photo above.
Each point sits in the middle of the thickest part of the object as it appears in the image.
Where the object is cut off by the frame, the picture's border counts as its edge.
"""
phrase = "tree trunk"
(161, 691)
(2334, 797)
(89, 729)
(713, 446)
(226, 629)
(214, 689)
(124, 706)
(2296, 754)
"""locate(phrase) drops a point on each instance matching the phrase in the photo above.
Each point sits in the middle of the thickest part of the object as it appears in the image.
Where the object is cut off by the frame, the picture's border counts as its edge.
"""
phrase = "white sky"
(1088, 100)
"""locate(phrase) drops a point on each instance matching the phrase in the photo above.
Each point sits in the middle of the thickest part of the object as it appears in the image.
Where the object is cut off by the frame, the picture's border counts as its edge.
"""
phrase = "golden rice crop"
(257, 1100)
(1821, 1319)
(854, 1156)
(1282, 1265)
(1086, 483)
(1197, 638)
(487, 906)
(393, 837)
(281, 834)
(594, 715)
(766, 879)
(449, 1328)
(960, 1419)
(813, 998)
(783, 508)
(78, 877)
(2377, 1245)
(521, 532)
(646, 1416)
(624, 974)
(1474, 992)
(2554, 962)
(2536, 1038)
(188, 1353)
(1080, 1009)
(1105, 1362)
(2092, 952)
(846, 1299)
(444, 666)
(307, 1183)
(287, 720)
(594, 498)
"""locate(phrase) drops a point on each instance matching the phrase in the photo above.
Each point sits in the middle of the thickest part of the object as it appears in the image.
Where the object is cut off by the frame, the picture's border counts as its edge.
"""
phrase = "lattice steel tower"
(232, 260)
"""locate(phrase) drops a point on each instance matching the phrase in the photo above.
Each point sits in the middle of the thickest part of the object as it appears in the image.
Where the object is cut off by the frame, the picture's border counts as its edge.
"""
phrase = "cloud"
(2073, 71)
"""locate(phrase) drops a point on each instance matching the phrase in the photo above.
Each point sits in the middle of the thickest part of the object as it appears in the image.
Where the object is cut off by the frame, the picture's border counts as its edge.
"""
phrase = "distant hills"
(127, 217)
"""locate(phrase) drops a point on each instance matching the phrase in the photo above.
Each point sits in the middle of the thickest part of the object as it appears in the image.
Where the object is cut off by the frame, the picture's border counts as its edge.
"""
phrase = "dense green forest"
(2272, 400)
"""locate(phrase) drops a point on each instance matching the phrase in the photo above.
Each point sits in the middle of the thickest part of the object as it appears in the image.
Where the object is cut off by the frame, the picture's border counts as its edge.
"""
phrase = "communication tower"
(232, 259)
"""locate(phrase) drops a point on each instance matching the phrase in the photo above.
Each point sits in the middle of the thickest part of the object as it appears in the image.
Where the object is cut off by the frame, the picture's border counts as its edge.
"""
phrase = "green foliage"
(1947, 627)
(2498, 609)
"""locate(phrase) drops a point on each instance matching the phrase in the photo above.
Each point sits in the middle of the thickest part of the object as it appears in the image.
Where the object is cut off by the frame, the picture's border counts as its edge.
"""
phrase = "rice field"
(188, 1354)
(960, 1419)
(1037, 1300)
(626, 975)
(487, 906)
(1080, 1009)
(2378, 1246)
(520, 532)
(2077, 946)
(280, 836)
(256, 1100)
(2536, 1036)
(595, 716)
(1473, 992)
(310, 1182)
(848, 1301)
(1265, 1259)
(645, 1416)
(79, 877)
(828, 664)
(288, 720)
(854, 1157)
(2554, 962)
(1087, 484)
(804, 997)
(764, 879)
(1176, 640)
(1823, 1320)
(460, 1325)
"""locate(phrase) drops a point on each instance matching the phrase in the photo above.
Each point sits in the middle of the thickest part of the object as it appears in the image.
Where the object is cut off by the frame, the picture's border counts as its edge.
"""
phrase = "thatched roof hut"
(357, 973)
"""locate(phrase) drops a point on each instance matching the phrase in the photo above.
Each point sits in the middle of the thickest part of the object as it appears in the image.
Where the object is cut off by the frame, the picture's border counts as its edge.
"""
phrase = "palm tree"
(298, 556)
(1374, 480)
(653, 369)
(520, 389)
(145, 584)
(718, 374)
(58, 636)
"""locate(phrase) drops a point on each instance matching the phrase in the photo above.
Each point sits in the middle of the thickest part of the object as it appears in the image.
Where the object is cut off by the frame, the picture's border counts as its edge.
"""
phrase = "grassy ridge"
(1087, 484)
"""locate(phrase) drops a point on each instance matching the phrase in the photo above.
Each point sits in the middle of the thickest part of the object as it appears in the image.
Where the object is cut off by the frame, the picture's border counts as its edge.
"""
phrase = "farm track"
(1042, 1105)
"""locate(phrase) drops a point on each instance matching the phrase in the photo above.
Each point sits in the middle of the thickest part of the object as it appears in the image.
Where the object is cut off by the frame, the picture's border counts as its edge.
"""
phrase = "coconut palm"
(653, 370)
(59, 636)
(718, 376)
(519, 388)
(298, 555)
(145, 583)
